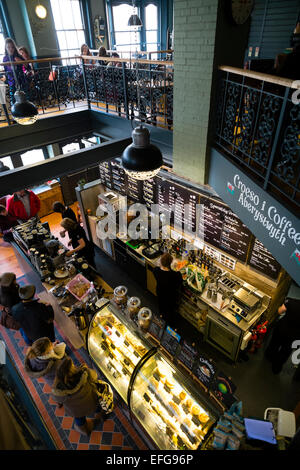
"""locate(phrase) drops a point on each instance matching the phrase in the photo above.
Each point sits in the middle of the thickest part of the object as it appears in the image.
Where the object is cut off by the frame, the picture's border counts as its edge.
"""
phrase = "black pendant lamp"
(23, 111)
(141, 160)
(134, 19)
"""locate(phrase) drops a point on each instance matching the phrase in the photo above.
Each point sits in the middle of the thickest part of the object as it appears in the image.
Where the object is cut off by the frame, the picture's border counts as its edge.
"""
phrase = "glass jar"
(133, 307)
(120, 295)
(144, 318)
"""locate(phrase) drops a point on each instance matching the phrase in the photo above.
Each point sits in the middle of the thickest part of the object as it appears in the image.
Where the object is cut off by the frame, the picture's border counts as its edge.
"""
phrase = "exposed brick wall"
(194, 44)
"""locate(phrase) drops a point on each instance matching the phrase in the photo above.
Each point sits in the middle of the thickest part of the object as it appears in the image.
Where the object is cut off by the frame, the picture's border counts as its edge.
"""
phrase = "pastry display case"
(163, 400)
(171, 410)
(116, 347)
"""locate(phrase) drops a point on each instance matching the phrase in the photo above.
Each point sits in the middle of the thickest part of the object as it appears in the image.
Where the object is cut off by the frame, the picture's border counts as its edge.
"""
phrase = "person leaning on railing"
(11, 54)
(102, 53)
(85, 50)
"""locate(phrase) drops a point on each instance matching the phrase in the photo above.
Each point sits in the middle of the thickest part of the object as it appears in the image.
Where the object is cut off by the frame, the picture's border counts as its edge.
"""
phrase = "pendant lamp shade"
(23, 111)
(141, 159)
(135, 20)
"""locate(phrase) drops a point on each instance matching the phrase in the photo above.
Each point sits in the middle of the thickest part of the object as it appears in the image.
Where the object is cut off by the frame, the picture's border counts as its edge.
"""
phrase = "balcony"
(129, 88)
(257, 127)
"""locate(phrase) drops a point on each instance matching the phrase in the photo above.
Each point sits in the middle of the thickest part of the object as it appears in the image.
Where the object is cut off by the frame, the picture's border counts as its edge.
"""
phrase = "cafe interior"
(150, 192)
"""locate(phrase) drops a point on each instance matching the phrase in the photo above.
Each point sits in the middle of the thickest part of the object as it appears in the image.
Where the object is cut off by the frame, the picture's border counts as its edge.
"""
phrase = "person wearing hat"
(36, 318)
(9, 296)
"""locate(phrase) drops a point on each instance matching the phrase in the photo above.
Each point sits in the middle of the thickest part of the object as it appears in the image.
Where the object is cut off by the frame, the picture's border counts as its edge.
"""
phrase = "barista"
(167, 288)
(78, 241)
(65, 211)
(285, 332)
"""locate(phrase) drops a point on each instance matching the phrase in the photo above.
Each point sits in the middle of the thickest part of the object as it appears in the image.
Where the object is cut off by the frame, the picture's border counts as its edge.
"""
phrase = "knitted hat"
(7, 279)
(27, 292)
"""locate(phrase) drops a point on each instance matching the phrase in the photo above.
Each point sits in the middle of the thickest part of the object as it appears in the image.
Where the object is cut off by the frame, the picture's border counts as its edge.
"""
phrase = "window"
(126, 38)
(151, 25)
(70, 147)
(32, 156)
(7, 162)
(1, 39)
(69, 26)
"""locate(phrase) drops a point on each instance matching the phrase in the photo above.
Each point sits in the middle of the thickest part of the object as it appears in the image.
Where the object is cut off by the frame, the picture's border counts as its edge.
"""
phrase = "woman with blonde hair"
(43, 358)
(78, 240)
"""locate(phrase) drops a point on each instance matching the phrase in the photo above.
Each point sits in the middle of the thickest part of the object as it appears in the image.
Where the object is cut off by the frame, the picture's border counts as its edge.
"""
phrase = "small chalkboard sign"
(157, 327)
(187, 355)
(170, 341)
(204, 370)
(223, 389)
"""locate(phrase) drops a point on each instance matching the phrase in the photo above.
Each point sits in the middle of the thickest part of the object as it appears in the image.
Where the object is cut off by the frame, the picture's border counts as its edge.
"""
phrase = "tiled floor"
(116, 433)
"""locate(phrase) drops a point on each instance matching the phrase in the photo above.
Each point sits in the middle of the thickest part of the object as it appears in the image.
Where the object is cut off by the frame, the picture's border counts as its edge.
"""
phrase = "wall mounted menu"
(170, 341)
(173, 195)
(149, 192)
(105, 174)
(262, 260)
(118, 177)
(205, 370)
(133, 188)
(187, 355)
(223, 229)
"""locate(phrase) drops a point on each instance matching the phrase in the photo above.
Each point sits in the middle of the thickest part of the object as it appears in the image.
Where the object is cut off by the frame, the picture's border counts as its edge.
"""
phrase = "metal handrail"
(286, 82)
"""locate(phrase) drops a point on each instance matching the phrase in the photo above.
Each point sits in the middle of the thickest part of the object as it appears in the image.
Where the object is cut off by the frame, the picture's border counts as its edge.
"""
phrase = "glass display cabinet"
(164, 401)
(171, 410)
(116, 347)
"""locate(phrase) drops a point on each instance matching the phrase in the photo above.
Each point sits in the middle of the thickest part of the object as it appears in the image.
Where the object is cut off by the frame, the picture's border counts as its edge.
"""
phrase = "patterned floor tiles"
(116, 433)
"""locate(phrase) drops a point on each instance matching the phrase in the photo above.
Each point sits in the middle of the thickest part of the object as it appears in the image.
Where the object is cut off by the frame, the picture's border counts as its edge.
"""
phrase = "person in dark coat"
(167, 288)
(9, 296)
(74, 388)
(7, 222)
(43, 358)
(36, 318)
(65, 211)
(285, 332)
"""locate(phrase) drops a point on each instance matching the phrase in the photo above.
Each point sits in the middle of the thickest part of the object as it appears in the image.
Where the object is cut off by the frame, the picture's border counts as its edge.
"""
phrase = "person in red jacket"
(23, 205)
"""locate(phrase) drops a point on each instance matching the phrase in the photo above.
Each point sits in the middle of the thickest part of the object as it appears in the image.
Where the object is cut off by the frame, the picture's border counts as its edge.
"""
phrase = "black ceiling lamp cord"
(141, 160)
(23, 111)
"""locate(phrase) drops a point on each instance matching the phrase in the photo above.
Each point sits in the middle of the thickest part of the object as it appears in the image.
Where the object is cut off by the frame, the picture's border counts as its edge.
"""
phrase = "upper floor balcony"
(130, 88)
(257, 126)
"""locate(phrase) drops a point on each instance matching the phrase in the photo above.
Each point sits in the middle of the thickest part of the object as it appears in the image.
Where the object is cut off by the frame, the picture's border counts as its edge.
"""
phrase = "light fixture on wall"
(41, 11)
(23, 111)
(134, 19)
(141, 160)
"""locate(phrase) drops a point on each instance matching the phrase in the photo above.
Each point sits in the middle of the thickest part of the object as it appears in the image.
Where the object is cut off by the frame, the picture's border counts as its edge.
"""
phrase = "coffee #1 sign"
(270, 222)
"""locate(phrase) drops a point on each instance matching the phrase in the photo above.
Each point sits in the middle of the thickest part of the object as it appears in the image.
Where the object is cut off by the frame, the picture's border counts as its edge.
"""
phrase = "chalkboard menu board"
(170, 341)
(187, 355)
(262, 260)
(157, 327)
(223, 229)
(118, 177)
(133, 188)
(205, 370)
(105, 174)
(149, 192)
(182, 200)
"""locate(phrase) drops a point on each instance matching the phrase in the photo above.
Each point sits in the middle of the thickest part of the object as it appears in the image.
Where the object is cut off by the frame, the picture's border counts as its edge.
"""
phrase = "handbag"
(105, 396)
(8, 321)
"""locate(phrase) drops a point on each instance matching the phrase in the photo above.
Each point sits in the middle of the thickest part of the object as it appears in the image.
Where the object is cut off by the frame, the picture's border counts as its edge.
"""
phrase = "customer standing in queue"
(23, 205)
(167, 288)
(43, 358)
(75, 389)
(78, 239)
(9, 296)
(285, 332)
(7, 222)
(36, 318)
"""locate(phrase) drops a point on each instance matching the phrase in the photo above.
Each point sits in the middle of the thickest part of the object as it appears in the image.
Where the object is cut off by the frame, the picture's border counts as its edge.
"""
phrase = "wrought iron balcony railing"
(258, 128)
(140, 89)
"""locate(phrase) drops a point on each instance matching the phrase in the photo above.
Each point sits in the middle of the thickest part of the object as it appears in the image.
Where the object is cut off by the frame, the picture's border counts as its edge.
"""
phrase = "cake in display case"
(116, 347)
(171, 411)
(166, 403)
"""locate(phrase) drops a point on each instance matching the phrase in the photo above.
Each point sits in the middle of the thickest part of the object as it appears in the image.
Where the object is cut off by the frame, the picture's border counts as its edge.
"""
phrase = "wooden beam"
(31, 175)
